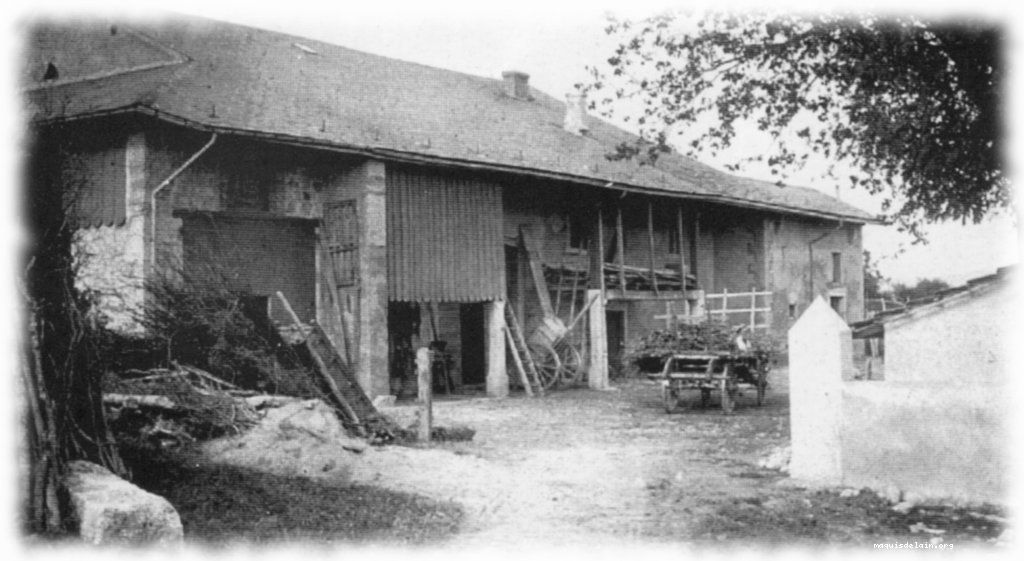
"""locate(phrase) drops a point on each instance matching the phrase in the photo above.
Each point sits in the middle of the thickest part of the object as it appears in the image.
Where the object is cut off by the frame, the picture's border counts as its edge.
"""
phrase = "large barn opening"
(258, 255)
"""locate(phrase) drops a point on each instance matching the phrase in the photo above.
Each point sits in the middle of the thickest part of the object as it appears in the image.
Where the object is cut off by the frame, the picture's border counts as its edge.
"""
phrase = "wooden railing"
(745, 303)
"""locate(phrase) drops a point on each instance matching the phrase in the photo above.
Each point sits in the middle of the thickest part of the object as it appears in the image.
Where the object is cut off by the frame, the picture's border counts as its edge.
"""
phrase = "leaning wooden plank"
(558, 289)
(517, 332)
(583, 311)
(205, 375)
(342, 375)
(537, 270)
(518, 362)
(322, 369)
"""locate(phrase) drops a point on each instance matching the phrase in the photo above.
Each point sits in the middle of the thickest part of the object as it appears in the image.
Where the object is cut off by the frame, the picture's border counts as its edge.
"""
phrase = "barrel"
(550, 331)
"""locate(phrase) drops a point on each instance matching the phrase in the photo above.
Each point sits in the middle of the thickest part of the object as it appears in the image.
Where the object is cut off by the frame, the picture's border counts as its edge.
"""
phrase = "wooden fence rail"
(747, 306)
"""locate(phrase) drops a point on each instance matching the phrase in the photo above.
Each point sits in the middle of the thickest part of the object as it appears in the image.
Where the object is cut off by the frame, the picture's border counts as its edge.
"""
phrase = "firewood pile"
(568, 278)
(169, 407)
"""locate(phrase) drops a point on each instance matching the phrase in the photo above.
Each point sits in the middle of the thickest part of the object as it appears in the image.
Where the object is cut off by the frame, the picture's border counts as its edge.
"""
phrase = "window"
(792, 311)
(837, 267)
(673, 237)
(579, 237)
(837, 304)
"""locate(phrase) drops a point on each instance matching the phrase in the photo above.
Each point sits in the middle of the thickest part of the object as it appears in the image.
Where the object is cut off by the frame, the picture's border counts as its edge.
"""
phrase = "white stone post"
(497, 376)
(597, 373)
(820, 353)
(425, 385)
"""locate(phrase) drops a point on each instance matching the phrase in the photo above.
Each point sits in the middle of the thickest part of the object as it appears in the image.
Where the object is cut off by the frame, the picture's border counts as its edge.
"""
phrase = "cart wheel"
(572, 365)
(557, 365)
(727, 399)
(705, 397)
(670, 399)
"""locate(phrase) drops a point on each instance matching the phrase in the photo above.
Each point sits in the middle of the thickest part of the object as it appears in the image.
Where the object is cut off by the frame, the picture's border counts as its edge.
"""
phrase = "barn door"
(257, 255)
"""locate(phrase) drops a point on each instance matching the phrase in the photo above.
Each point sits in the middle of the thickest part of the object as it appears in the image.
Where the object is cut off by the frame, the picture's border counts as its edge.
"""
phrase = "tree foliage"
(914, 106)
(874, 280)
(923, 289)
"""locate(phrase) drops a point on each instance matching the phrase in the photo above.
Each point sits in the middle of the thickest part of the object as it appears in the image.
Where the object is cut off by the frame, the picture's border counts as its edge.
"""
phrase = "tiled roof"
(238, 79)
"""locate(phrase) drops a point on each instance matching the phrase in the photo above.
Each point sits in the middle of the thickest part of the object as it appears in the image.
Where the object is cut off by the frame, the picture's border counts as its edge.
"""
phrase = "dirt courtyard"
(585, 468)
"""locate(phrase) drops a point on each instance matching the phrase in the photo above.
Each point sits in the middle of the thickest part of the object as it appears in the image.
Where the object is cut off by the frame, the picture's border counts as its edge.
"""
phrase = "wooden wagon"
(727, 373)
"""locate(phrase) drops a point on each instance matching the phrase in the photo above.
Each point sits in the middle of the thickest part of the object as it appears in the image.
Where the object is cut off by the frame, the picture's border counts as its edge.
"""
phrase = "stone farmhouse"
(396, 203)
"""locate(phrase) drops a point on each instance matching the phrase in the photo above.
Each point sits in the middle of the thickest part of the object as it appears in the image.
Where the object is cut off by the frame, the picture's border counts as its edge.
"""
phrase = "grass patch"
(824, 517)
(223, 505)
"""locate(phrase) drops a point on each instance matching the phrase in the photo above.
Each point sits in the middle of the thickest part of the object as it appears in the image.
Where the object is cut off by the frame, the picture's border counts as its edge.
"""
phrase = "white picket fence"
(727, 305)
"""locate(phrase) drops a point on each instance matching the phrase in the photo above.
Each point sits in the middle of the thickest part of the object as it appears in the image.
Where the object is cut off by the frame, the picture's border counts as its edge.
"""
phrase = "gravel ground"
(587, 468)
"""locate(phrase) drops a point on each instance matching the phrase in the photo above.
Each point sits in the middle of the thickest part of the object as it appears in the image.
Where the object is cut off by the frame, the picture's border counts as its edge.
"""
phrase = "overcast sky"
(553, 42)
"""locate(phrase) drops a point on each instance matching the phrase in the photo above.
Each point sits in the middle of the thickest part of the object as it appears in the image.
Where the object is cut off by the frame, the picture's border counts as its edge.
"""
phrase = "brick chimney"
(575, 111)
(517, 84)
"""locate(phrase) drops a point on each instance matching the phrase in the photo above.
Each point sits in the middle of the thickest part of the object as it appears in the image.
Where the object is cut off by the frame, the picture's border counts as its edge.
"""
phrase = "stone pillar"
(820, 356)
(597, 373)
(497, 375)
(369, 180)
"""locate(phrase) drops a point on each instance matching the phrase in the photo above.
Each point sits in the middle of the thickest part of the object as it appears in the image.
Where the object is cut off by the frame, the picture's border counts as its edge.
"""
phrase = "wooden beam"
(518, 361)
(694, 248)
(537, 269)
(321, 367)
(650, 245)
(620, 247)
(558, 287)
(679, 245)
(596, 253)
(517, 333)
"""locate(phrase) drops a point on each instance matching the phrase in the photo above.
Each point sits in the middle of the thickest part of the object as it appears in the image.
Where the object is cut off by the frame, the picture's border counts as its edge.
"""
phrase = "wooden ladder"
(521, 355)
(344, 391)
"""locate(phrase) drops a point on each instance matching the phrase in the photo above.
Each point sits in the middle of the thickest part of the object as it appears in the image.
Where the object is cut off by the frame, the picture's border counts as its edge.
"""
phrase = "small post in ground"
(425, 387)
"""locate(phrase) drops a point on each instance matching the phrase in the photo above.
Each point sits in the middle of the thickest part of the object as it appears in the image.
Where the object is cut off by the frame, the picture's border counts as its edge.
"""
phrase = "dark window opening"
(673, 237)
(837, 304)
(579, 237)
(51, 72)
(792, 311)
(837, 267)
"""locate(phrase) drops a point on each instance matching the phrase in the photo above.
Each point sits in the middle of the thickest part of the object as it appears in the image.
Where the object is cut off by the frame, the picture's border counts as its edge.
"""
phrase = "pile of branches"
(649, 353)
(201, 320)
(162, 408)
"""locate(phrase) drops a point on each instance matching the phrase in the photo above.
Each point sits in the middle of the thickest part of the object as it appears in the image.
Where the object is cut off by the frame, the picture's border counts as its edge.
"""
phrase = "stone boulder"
(112, 511)
(295, 437)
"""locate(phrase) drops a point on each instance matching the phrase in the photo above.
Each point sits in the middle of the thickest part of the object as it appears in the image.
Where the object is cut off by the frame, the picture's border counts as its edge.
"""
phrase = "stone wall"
(795, 281)
(111, 260)
(960, 340)
(924, 433)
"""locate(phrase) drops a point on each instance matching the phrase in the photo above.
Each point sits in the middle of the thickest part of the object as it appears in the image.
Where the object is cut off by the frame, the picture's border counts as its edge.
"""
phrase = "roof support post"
(650, 245)
(596, 252)
(620, 249)
(679, 245)
(695, 247)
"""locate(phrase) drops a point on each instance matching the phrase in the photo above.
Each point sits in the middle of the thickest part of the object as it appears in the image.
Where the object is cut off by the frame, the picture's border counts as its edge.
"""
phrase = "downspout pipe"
(810, 257)
(165, 183)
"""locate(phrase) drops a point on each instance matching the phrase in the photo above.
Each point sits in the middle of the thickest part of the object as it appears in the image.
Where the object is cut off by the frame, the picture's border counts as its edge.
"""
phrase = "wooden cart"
(728, 373)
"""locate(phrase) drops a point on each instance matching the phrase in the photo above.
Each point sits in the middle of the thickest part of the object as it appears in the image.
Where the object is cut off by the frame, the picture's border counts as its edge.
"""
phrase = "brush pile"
(164, 408)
